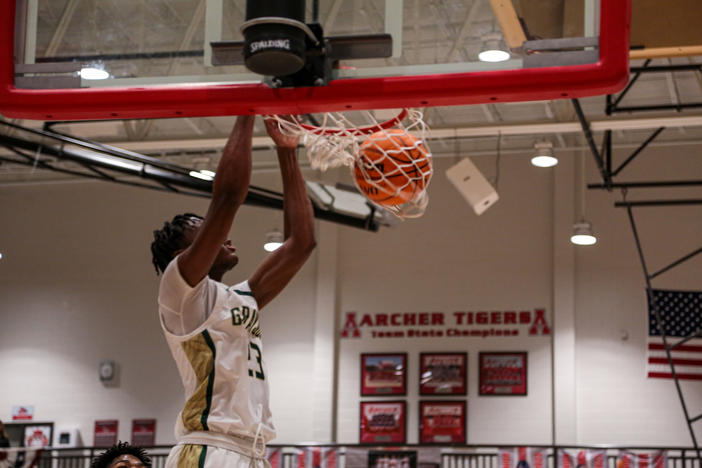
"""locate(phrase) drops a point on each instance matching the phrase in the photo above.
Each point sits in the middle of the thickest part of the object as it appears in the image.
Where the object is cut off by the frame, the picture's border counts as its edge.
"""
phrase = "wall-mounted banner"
(105, 433)
(442, 422)
(581, 459)
(657, 459)
(383, 422)
(144, 432)
(522, 457)
(37, 436)
(459, 324)
(22, 413)
(502, 373)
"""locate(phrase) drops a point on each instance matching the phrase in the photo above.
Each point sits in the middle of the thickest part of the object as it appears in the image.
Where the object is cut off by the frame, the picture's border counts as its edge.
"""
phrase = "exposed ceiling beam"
(470, 17)
(439, 133)
(666, 52)
(509, 23)
(61, 28)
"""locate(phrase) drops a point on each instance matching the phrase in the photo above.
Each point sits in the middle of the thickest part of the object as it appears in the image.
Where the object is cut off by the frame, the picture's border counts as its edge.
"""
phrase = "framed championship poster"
(392, 459)
(383, 422)
(144, 432)
(503, 373)
(37, 435)
(383, 374)
(105, 434)
(442, 422)
(443, 373)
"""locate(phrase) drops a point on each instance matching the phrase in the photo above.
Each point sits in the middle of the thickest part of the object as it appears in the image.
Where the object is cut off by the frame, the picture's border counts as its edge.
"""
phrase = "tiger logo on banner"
(522, 457)
(657, 459)
(581, 459)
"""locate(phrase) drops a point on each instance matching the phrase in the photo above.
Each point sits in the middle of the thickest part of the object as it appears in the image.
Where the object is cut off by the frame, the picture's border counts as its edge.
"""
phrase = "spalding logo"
(270, 44)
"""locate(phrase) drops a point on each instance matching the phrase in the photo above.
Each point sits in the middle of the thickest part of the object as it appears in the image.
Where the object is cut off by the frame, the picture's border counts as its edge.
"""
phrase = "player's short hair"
(122, 448)
(170, 239)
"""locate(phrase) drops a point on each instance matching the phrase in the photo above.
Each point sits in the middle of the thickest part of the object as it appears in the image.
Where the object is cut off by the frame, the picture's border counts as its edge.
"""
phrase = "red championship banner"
(105, 433)
(442, 422)
(22, 413)
(503, 373)
(522, 457)
(442, 373)
(658, 459)
(144, 432)
(383, 422)
(383, 374)
(581, 459)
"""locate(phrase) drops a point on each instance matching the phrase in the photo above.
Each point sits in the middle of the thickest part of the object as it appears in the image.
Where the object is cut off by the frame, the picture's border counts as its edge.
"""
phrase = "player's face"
(126, 461)
(226, 257)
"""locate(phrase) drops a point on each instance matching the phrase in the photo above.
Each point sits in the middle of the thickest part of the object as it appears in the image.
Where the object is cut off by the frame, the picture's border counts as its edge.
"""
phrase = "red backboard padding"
(606, 76)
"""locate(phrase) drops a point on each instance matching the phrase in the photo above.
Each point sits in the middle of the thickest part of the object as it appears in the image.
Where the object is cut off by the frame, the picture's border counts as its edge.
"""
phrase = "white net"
(390, 161)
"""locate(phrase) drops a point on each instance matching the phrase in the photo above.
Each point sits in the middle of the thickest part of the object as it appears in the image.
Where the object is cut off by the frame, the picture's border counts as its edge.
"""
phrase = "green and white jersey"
(214, 336)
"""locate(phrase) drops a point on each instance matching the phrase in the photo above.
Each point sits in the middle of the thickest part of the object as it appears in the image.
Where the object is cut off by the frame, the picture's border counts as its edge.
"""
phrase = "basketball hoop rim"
(360, 130)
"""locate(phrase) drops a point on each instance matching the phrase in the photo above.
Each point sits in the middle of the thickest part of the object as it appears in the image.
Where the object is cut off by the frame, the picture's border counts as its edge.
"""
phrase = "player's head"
(122, 455)
(177, 235)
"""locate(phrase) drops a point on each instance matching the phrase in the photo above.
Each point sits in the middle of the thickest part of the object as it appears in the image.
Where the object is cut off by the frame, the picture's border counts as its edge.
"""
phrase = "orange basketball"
(393, 167)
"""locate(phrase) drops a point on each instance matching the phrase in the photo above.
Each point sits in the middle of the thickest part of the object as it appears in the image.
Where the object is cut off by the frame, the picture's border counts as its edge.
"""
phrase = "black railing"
(456, 456)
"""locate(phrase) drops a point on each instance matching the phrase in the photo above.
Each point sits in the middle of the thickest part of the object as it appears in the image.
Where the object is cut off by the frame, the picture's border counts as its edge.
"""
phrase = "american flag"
(681, 313)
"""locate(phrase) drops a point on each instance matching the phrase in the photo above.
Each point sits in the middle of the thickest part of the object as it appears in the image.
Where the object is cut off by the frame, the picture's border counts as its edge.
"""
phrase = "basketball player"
(122, 455)
(213, 330)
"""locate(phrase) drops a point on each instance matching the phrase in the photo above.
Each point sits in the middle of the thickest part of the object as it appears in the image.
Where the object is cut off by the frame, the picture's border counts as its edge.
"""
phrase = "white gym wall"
(77, 286)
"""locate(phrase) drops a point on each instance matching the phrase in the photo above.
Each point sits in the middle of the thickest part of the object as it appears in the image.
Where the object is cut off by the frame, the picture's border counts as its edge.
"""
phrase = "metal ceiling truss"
(613, 106)
(603, 159)
(47, 149)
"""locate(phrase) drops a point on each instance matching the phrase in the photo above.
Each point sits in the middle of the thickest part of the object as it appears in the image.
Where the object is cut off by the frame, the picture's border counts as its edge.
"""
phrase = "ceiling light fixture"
(543, 157)
(274, 239)
(94, 71)
(582, 234)
(582, 230)
(492, 50)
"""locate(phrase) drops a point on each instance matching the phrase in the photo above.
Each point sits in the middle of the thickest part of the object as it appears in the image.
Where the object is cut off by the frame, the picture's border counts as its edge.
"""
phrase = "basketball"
(393, 167)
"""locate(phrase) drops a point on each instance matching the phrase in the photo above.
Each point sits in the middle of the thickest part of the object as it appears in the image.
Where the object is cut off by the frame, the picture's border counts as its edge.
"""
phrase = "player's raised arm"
(279, 268)
(231, 184)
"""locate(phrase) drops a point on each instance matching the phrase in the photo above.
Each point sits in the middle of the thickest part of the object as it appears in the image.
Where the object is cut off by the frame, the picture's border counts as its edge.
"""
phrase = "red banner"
(105, 433)
(383, 422)
(503, 373)
(442, 422)
(144, 432)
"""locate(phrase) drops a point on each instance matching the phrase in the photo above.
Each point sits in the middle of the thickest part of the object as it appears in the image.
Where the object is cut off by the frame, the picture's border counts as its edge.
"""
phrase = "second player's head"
(122, 455)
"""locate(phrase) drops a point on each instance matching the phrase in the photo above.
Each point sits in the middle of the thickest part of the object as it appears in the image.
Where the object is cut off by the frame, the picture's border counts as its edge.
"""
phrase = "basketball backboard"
(160, 61)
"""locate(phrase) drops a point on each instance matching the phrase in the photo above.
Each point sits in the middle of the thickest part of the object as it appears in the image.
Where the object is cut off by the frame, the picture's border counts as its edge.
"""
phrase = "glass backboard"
(169, 58)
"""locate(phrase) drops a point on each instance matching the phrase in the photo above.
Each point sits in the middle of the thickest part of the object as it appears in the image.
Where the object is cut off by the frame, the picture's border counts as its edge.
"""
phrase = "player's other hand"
(281, 140)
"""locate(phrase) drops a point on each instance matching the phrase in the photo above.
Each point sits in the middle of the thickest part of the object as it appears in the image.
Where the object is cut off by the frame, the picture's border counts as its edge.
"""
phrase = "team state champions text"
(440, 324)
